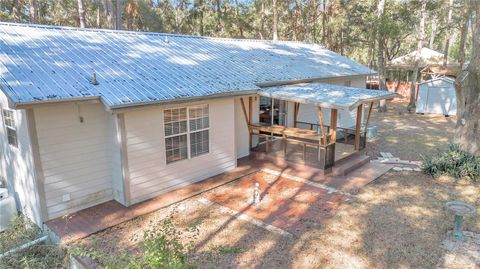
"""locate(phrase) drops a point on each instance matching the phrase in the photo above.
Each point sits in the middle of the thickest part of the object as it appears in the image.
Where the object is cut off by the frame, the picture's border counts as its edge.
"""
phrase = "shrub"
(162, 247)
(454, 162)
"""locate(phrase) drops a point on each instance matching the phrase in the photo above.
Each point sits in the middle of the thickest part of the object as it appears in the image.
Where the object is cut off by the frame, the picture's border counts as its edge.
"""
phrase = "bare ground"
(398, 221)
(409, 135)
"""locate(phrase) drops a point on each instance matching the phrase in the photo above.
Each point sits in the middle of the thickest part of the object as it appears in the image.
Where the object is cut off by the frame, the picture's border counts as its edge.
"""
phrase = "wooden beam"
(322, 125)
(368, 116)
(358, 127)
(250, 115)
(247, 120)
(295, 114)
(250, 109)
(333, 125)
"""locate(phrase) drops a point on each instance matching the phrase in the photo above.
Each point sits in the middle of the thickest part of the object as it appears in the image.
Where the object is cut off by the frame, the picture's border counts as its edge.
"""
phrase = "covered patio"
(321, 144)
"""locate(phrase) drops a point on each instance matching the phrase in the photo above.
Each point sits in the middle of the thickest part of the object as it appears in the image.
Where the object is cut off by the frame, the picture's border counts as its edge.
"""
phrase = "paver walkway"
(100, 217)
(284, 203)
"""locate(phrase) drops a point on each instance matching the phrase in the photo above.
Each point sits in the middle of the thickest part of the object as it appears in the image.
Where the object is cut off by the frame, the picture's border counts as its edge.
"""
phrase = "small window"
(186, 132)
(347, 83)
(9, 121)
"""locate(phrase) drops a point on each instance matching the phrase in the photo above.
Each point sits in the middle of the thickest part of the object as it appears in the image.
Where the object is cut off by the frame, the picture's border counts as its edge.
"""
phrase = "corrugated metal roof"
(45, 63)
(446, 79)
(326, 95)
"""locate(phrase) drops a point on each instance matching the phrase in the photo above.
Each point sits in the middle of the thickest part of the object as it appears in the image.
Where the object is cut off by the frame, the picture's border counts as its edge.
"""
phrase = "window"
(9, 121)
(175, 134)
(186, 132)
(199, 124)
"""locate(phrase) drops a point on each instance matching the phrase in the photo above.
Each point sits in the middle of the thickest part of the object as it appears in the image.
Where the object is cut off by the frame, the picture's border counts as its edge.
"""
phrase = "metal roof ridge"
(99, 30)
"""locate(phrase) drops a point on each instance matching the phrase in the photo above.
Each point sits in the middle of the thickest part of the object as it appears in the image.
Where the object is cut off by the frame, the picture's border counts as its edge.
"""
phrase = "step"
(349, 164)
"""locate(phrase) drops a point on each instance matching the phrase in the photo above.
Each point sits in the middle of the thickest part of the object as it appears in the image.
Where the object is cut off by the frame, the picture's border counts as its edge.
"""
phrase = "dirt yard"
(397, 221)
(409, 135)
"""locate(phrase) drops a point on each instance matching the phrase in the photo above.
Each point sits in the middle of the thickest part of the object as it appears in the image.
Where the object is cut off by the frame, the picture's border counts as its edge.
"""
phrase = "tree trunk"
(275, 20)
(33, 11)
(129, 14)
(109, 13)
(467, 87)
(433, 32)
(15, 11)
(324, 23)
(81, 14)
(448, 33)
(99, 3)
(463, 34)
(119, 10)
(262, 20)
(218, 5)
(421, 37)
(380, 58)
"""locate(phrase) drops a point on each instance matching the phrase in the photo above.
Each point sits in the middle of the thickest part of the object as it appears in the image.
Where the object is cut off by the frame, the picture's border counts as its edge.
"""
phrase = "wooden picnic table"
(289, 132)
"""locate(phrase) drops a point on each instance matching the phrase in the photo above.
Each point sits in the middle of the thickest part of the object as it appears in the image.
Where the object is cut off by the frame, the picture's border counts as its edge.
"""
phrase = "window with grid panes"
(199, 124)
(175, 121)
(9, 121)
(186, 132)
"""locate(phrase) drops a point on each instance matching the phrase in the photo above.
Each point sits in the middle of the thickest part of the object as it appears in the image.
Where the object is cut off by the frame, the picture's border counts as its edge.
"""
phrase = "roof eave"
(308, 80)
(24, 105)
(122, 107)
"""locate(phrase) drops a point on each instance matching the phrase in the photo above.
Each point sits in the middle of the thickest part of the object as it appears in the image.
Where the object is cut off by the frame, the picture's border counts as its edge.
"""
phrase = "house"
(96, 115)
(437, 96)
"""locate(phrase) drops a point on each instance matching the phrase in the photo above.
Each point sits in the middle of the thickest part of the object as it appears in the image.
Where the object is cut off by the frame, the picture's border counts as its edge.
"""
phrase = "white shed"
(437, 96)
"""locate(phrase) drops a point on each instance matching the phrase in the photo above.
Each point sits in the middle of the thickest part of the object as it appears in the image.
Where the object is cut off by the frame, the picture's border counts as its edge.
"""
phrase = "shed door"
(441, 101)
(422, 99)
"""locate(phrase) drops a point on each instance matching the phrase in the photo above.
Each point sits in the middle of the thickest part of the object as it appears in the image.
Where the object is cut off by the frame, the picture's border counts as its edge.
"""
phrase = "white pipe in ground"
(256, 194)
(24, 246)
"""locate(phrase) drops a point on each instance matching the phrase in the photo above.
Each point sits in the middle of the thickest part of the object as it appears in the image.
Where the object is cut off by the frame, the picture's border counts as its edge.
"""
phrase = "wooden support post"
(368, 116)
(296, 108)
(333, 125)
(358, 127)
(247, 120)
(250, 115)
(304, 152)
(322, 125)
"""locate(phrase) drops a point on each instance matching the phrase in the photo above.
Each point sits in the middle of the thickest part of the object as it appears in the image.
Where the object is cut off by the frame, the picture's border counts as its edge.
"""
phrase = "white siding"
(241, 128)
(308, 113)
(77, 157)
(150, 176)
(17, 166)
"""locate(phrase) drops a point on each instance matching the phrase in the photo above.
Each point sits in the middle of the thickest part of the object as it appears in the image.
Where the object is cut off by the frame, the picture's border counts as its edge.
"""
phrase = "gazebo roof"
(326, 95)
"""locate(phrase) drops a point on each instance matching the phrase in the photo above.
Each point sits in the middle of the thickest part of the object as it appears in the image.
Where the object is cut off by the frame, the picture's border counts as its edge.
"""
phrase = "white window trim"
(14, 128)
(188, 132)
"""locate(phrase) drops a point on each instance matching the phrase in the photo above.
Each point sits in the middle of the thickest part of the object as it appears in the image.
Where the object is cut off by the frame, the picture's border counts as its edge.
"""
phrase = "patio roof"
(326, 95)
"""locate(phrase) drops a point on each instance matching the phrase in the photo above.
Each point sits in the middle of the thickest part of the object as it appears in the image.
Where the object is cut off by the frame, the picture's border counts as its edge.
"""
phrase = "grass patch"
(20, 230)
(453, 162)
(228, 249)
